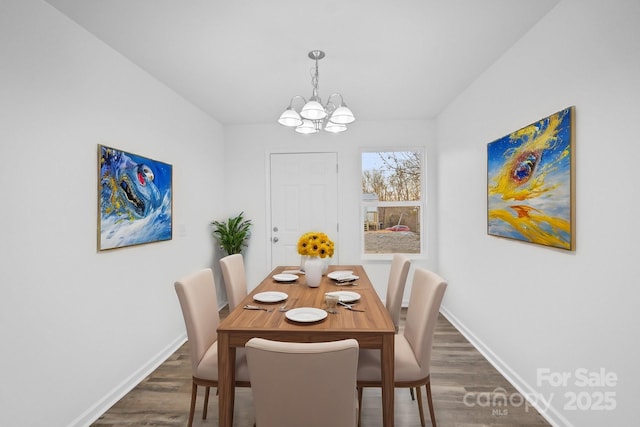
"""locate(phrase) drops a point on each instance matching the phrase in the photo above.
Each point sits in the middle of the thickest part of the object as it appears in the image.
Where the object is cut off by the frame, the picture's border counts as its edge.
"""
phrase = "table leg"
(387, 362)
(226, 380)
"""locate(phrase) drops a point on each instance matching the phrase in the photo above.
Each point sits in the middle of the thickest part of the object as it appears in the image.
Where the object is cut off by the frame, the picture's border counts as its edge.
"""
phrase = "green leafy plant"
(233, 234)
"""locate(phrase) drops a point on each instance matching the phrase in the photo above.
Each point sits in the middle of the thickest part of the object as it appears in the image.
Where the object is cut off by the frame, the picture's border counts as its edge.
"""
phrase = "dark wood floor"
(467, 392)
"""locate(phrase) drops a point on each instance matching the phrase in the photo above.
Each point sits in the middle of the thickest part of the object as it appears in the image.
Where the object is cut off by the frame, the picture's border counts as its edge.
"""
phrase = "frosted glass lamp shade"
(307, 127)
(342, 115)
(335, 127)
(290, 117)
(313, 110)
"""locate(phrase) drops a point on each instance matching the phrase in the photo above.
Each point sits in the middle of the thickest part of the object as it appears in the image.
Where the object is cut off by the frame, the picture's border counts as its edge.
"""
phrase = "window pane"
(392, 175)
(392, 229)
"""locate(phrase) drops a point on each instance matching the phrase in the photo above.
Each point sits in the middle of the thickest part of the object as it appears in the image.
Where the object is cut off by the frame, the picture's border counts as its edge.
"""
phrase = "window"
(392, 202)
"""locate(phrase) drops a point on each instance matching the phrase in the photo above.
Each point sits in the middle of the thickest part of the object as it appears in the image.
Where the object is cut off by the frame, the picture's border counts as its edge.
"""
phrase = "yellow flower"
(315, 244)
(302, 247)
(325, 250)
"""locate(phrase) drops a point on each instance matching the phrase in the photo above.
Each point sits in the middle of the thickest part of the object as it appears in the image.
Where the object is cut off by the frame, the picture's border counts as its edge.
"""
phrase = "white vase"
(313, 271)
(325, 265)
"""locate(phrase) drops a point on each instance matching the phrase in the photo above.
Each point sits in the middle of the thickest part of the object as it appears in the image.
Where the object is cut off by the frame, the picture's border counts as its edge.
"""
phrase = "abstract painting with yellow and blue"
(530, 183)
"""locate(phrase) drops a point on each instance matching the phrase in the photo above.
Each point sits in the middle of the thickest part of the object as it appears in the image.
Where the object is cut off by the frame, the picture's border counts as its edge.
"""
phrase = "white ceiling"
(241, 61)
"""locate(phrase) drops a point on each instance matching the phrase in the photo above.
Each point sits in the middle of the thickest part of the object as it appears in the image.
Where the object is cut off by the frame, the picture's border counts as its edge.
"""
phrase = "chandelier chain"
(315, 79)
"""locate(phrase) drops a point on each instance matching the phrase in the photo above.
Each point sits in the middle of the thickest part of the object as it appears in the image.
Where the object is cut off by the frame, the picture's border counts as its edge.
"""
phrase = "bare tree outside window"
(392, 201)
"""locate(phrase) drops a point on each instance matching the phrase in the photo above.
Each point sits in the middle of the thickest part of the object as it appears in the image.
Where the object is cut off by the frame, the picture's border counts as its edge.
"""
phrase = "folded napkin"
(347, 278)
(350, 283)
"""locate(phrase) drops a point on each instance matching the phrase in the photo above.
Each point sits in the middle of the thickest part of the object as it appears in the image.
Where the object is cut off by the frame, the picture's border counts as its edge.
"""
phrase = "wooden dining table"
(373, 328)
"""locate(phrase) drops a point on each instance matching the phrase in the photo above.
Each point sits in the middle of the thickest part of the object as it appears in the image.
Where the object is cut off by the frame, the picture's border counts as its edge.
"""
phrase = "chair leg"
(420, 408)
(430, 402)
(413, 397)
(192, 410)
(206, 403)
(359, 405)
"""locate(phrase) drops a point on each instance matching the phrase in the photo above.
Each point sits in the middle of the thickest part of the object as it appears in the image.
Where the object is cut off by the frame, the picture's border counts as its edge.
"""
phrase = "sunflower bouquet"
(315, 244)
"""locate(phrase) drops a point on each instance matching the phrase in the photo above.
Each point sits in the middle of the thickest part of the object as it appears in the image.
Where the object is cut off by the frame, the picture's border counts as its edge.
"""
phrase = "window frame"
(420, 204)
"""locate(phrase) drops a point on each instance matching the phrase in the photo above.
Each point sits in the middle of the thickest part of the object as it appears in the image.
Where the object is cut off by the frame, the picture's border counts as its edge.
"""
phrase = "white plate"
(306, 314)
(346, 296)
(270, 296)
(285, 277)
(339, 274)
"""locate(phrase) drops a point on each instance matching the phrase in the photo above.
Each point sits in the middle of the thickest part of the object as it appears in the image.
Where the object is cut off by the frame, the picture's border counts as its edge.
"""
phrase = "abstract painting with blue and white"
(134, 200)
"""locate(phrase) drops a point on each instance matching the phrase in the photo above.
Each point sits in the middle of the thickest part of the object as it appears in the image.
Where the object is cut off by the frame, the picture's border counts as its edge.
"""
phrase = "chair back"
(427, 291)
(199, 303)
(395, 286)
(303, 384)
(235, 281)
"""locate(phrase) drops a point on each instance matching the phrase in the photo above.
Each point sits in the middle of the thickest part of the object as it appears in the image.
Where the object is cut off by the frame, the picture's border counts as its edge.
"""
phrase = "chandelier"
(332, 117)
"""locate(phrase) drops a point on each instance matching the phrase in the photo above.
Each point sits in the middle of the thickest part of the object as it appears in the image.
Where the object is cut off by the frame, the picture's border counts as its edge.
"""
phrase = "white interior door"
(304, 197)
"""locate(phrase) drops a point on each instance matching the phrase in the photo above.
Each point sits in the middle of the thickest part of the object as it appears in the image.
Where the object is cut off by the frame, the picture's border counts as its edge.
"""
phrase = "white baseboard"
(549, 413)
(100, 407)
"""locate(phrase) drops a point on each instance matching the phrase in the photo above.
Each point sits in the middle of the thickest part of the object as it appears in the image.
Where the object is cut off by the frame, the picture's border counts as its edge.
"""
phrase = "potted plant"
(233, 234)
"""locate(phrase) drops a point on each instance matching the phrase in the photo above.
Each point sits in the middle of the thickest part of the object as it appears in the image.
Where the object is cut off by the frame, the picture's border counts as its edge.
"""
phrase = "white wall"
(80, 327)
(526, 306)
(247, 151)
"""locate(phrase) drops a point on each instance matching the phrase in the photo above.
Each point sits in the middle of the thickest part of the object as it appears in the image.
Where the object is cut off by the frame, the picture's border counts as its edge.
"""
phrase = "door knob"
(275, 239)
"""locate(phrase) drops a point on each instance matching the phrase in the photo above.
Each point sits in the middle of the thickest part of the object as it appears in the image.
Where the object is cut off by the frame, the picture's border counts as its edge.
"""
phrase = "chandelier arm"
(293, 98)
(336, 94)
(330, 106)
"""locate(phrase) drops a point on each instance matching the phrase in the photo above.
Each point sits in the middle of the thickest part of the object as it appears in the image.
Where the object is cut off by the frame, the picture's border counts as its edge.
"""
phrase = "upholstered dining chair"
(235, 280)
(303, 384)
(198, 300)
(395, 286)
(412, 345)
